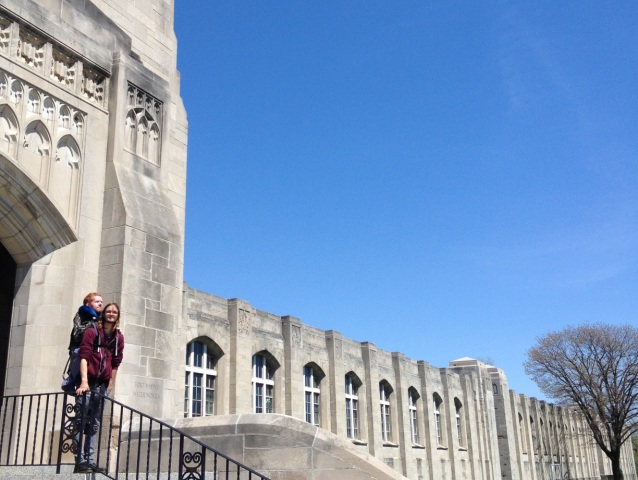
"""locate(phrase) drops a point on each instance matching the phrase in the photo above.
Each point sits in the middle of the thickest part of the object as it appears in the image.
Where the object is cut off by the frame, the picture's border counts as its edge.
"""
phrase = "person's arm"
(84, 385)
(111, 381)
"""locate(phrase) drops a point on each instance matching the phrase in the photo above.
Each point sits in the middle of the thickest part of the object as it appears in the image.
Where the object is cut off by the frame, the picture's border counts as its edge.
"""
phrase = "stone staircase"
(44, 473)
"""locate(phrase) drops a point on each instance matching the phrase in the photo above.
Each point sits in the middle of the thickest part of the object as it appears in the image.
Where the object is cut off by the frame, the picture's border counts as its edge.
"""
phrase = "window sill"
(441, 447)
(462, 449)
(358, 442)
(390, 444)
(417, 446)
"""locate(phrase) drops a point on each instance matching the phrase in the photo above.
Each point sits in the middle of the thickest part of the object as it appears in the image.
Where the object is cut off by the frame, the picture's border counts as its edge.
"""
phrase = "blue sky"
(444, 179)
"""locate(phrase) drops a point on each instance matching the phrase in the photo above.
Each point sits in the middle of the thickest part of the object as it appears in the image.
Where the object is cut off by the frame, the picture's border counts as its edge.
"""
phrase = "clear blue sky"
(444, 179)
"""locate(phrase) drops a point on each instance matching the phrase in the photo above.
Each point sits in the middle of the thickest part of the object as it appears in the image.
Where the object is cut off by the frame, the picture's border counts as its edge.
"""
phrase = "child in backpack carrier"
(85, 318)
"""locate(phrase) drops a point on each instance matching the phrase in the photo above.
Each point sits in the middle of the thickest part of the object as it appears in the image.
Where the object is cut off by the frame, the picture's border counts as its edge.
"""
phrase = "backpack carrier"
(71, 373)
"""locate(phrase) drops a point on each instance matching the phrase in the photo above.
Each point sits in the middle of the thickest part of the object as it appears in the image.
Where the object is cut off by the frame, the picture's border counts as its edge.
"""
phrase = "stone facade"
(460, 422)
(93, 139)
(92, 186)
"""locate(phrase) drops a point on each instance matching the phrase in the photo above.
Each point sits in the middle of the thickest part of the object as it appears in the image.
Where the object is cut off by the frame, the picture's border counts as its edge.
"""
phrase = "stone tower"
(92, 188)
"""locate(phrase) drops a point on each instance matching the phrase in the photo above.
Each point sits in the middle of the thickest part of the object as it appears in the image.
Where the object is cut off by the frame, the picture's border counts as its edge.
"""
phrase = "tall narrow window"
(438, 406)
(352, 405)
(263, 385)
(311, 394)
(460, 427)
(199, 383)
(384, 401)
(413, 396)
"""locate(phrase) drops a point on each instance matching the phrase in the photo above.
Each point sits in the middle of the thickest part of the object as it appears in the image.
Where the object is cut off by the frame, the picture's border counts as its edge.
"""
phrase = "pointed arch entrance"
(31, 226)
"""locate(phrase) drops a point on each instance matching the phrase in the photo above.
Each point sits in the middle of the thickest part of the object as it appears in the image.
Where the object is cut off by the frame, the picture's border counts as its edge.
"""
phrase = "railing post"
(181, 456)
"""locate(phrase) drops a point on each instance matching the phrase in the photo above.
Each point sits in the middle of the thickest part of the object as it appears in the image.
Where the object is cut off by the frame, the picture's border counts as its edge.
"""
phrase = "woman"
(100, 356)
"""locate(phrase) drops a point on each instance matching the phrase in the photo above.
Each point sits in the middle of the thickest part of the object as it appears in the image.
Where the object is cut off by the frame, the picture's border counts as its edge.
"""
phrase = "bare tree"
(594, 367)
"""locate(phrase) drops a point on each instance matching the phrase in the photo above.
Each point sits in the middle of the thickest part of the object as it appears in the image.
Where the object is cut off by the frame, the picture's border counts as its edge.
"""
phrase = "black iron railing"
(48, 430)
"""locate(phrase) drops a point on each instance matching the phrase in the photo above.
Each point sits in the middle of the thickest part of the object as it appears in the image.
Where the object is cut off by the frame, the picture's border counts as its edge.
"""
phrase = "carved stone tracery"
(62, 66)
(31, 49)
(243, 322)
(5, 34)
(142, 126)
(43, 135)
(93, 85)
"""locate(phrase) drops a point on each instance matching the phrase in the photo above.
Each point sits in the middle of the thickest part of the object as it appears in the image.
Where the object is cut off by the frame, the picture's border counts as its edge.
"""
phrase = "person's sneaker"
(95, 469)
(82, 467)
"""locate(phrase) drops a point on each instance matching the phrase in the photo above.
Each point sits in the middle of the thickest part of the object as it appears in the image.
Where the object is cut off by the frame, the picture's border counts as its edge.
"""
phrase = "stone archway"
(31, 226)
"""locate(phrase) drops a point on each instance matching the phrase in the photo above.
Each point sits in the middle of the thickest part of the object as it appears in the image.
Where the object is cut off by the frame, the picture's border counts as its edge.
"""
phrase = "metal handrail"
(48, 430)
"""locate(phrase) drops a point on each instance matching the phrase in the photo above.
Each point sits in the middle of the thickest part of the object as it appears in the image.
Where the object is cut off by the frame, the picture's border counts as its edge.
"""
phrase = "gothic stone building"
(93, 138)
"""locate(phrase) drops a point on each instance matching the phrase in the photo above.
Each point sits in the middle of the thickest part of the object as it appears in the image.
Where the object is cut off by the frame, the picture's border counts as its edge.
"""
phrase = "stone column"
(293, 348)
(334, 344)
(425, 416)
(402, 430)
(372, 413)
(504, 425)
(240, 375)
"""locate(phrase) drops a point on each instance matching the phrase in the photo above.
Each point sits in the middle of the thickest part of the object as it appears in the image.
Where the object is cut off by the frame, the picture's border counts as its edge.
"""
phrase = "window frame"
(263, 384)
(460, 424)
(437, 403)
(201, 364)
(312, 395)
(413, 398)
(352, 407)
(385, 391)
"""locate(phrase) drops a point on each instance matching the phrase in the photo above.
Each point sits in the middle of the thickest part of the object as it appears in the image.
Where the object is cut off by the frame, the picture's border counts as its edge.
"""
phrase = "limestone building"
(93, 138)
(424, 422)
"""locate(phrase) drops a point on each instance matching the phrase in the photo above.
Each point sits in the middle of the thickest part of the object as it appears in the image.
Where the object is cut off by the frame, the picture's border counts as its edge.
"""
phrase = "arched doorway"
(31, 227)
(7, 287)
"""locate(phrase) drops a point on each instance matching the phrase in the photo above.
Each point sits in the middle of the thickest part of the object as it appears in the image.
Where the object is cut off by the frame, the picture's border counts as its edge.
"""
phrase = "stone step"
(43, 473)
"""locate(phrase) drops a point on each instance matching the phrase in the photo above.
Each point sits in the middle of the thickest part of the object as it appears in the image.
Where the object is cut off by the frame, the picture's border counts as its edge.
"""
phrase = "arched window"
(154, 144)
(201, 373)
(8, 130)
(460, 425)
(312, 394)
(352, 406)
(78, 125)
(33, 101)
(142, 137)
(48, 109)
(37, 139)
(413, 396)
(64, 117)
(384, 400)
(263, 384)
(15, 94)
(437, 403)
(130, 130)
(37, 151)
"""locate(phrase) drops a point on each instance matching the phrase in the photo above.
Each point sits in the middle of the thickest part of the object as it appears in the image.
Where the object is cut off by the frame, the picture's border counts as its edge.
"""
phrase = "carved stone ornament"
(296, 336)
(243, 323)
